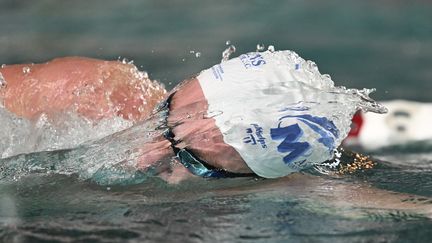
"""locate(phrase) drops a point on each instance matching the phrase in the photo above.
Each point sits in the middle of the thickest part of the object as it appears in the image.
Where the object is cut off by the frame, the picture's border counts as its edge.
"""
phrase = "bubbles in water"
(260, 47)
(3, 82)
(26, 70)
(227, 53)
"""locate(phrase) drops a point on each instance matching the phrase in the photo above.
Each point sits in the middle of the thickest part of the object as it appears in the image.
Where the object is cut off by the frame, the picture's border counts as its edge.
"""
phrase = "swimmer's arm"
(160, 155)
(94, 88)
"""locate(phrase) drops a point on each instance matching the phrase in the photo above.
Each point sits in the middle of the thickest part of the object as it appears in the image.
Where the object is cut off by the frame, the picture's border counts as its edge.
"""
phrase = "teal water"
(382, 44)
(298, 208)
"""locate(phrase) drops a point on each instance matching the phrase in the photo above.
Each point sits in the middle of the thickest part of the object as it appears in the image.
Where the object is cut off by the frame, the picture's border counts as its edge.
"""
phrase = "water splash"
(66, 130)
(368, 104)
(3, 82)
(110, 160)
(126, 61)
(26, 70)
(308, 70)
(197, 54)
(293, 79)
(260, 47)
(271, 48)
(228, 52)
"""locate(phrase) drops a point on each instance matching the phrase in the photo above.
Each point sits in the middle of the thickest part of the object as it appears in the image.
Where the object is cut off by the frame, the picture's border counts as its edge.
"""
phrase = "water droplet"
(198, 54)
(227, 53)
(228, 42)
(3, 65)
(126, 61)
(183, 59)
(3, 82)
(108, 188)
(191, 52)
(368, 104)
(271, 48)
(312, 65)
(26, 70)
(326, 76)
(260, 47)
(144, 74)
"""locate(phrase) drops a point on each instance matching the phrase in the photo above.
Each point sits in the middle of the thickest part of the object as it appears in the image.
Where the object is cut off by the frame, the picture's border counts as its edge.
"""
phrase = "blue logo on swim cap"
(255, 136)
(291, 134)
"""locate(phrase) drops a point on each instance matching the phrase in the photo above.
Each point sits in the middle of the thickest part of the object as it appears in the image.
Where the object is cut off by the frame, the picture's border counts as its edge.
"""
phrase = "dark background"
(370, 43)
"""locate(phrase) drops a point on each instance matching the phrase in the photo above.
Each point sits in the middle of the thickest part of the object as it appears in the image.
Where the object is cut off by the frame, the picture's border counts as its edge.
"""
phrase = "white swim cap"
(276, 110)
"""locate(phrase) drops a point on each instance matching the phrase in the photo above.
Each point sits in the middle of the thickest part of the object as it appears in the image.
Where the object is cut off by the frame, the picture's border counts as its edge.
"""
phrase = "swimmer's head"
(277, 111)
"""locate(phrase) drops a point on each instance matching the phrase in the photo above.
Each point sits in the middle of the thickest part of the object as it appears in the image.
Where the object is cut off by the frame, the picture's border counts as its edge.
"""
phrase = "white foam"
(65, 130)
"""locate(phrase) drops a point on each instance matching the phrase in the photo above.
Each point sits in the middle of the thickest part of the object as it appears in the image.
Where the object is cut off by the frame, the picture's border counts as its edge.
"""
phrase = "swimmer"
(259, 131)
(195, 129)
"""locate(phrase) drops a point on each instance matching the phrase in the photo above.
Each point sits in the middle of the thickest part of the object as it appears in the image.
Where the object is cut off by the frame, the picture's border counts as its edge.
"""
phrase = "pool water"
(388, 203)
(375, 44)
(86, 193)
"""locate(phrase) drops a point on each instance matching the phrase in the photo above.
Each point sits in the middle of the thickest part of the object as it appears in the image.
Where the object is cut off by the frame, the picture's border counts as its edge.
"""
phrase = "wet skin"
(93, 88)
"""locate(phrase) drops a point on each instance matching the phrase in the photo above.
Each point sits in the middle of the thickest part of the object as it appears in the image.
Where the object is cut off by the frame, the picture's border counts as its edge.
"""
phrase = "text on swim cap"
(252, 60)
(256, 137)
